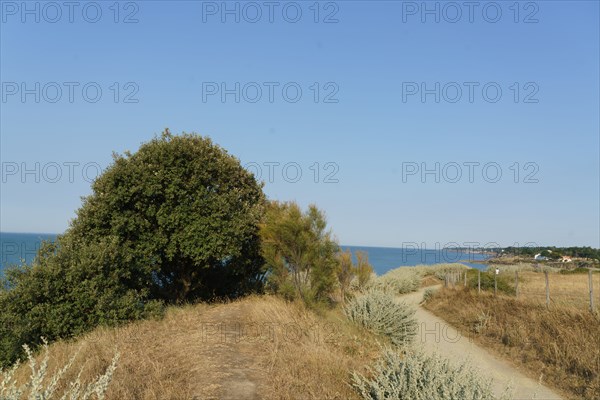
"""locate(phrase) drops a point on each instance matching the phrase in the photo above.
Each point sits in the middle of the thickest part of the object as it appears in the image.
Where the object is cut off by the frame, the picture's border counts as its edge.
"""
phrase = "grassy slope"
(258, 347)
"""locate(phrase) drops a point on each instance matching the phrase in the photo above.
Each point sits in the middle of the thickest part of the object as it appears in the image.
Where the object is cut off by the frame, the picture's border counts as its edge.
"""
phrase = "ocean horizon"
(17, 247)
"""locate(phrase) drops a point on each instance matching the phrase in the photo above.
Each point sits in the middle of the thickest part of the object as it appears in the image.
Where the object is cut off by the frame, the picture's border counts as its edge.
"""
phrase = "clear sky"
(398, 93)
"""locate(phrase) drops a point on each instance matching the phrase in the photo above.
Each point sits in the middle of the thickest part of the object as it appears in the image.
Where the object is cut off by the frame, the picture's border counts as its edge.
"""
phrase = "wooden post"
(479, 281)
(591, 283)
(547, 290)
(495, 283)
(517, 284)
(446, 280)
(465, 278)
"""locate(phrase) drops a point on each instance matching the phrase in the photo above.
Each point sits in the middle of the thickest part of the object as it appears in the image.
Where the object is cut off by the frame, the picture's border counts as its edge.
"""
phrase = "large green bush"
(174, 222)
(416, 376)
(379, 312)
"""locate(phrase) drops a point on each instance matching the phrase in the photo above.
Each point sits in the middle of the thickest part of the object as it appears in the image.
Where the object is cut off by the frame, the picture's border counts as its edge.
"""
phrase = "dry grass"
(565, 290)
(258, 347)
(313, 355)
(560, 345)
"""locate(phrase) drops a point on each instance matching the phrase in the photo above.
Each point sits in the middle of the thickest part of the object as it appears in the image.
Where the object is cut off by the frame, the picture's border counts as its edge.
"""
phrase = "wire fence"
(580, 290)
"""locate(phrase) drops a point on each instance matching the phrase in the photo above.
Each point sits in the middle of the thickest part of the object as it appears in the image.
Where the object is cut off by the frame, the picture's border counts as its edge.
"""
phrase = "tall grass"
(416, 376)
(43, 386)
(379, 312)
(560, 344)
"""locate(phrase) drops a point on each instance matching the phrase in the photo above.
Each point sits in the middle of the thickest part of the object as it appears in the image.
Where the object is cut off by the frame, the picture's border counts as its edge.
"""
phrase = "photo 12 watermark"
(470, 92)
(254, 12)
(234, 332)
(455, 252)
(49, 172)
(294, 172)
(70, 12)
(270, 92)
(70, 92)
(470, 12)
(470, 172)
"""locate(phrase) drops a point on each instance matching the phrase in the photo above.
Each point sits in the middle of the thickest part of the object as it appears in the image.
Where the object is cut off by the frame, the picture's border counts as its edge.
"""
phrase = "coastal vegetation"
(558, 344)
(178, 278)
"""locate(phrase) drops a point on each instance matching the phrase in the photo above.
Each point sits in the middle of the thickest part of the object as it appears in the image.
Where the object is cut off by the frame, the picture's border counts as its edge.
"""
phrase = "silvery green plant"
(41, 386)
(398, 281)
(428, 294)
(416, 376)
(379, 312)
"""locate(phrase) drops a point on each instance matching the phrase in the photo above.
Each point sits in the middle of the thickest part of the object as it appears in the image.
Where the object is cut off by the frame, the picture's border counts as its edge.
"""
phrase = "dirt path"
(234, 374)
(436, 335)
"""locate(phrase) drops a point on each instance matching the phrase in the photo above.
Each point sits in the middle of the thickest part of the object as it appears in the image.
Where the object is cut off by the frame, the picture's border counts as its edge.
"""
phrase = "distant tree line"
(553, 252)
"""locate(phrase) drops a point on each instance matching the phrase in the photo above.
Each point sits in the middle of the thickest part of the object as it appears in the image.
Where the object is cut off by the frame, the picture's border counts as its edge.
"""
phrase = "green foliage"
(553, 252)
(184, 215)
(176, 221)
(379, 312)
(505, 281)
(416, 376)
(65, 293)
(43, 386)
(299, 252)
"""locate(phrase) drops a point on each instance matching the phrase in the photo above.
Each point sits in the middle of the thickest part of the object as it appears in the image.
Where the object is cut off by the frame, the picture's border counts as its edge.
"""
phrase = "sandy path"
(436, 335)
(232, 373)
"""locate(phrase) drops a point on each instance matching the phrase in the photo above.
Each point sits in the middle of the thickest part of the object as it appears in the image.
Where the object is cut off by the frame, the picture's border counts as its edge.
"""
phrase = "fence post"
(495, 284)
(479, 281)
(591, 282)
(465, 278)
(517, 284)
(446, 280)
(547, 290)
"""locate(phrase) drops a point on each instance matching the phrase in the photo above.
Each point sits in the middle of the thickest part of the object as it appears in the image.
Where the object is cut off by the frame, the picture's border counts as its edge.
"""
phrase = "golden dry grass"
(565, 290)
(258, 347)
(560, 345)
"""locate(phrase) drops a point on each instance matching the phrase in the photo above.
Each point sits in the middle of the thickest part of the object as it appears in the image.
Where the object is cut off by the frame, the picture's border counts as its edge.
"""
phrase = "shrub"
(505, 281)
(428, 294)
(398, 281)
(299, 252)
(440, 270)
(43, 386)
(380, 313)
(416, 376)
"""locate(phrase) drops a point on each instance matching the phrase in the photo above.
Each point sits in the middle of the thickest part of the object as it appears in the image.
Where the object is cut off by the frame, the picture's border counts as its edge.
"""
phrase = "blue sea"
(15, 247)
(24, 246)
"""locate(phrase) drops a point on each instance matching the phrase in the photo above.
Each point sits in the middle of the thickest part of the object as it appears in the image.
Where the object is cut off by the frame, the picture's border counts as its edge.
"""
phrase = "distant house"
(540, 257)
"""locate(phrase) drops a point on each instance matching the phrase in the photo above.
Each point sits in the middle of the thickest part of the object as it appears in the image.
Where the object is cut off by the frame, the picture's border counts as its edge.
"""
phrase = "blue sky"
(367, 128)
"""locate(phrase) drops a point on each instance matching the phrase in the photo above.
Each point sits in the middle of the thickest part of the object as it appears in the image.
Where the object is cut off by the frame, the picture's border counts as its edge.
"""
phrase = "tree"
(184, 215)
(299, 251)
(176, 221)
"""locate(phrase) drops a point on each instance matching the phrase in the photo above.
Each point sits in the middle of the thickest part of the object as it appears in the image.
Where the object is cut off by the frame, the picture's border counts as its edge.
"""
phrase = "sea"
(22, 247)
